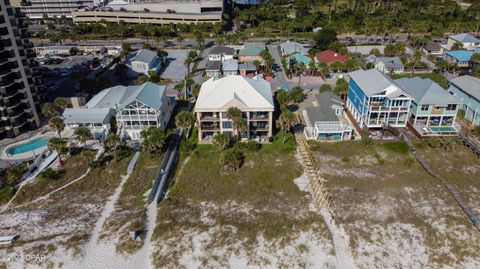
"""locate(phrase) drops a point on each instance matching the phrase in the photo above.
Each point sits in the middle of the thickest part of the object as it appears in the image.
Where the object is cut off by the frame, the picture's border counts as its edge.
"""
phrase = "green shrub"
(345, 159)
(50, 174)
(250, 145)
(232, 159)
(408, 162)
(123, 151)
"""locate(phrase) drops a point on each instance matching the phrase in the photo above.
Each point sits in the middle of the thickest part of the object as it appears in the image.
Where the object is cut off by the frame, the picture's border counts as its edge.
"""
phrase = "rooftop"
(230, 64)
(290, 47)
(87, 115)
(299, 57)
(117, 97)
(213, 65)
(373, 82)
(143, 55)
(432, 46)
(222, 50)
(389, 62)
(330, 56)
(244, 93)
(468, 84)
(465, 38)
(365, 50)
(248, 66)
(426, 92)
(460, 55)
(250, 51)
(324, 111)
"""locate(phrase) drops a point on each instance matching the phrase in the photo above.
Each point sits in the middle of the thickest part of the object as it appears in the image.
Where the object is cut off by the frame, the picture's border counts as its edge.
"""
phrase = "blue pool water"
(442, 129)
(28, 146)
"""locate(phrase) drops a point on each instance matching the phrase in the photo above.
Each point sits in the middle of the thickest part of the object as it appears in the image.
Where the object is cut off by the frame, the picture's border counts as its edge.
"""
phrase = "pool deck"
(26, 155)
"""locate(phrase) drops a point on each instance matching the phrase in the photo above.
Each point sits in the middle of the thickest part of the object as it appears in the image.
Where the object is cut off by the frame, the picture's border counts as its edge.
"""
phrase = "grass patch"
(396, 147)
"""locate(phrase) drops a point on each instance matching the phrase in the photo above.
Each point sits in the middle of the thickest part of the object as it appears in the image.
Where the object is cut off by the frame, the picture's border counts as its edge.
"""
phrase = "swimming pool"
(28, 146)
(443, 129)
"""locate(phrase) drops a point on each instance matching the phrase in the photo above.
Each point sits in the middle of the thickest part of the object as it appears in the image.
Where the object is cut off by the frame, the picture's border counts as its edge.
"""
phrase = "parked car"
(171, 11)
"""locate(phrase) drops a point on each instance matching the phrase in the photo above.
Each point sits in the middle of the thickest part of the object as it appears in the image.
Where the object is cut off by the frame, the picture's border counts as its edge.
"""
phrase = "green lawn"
(439, 79)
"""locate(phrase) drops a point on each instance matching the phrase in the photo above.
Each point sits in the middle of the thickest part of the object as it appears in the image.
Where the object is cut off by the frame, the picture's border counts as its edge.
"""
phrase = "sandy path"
(340, 242)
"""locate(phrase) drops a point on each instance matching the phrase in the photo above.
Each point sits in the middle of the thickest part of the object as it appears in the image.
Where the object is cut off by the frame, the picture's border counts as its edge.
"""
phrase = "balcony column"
(270, 123)
(199, 127)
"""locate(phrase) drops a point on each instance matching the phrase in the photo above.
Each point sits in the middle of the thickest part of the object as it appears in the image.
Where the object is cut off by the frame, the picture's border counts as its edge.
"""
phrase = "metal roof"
(117, 97)
(230, 64)
(290, 47)
(390, 62)
(460, 55)
(248, 66)
(143, 55)
(87, 115)
(426, 92)
(250, 51)
(373, 82)
(245, 93)
(365, 50)
(468, 84)
(465, 38)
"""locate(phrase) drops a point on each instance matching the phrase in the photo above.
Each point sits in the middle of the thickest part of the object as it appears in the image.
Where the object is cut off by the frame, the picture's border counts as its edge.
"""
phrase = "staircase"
(320, 196)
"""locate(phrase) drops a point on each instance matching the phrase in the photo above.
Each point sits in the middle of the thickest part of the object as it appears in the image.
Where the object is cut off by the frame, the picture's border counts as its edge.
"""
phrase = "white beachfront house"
(375, 101)
(142, 61)
(97, 120)
(252, 96)
(135, 108)
(468, 41)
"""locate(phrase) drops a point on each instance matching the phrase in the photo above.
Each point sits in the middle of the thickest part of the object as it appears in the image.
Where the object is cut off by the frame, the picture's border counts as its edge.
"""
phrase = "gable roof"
(432, 46)
(117, 97)
(143, 55)
(426, 92)
(468, 84)
(87, 115)
(230, 65)
(465, 38)
(250, 51)
(324, 110)
(248, 66)
(460, 55)
(213, 65)
(373, 82)
(299, 57)
(254, 94)
(330, 56)
(222, 50)
(389, 62)
(290, 47)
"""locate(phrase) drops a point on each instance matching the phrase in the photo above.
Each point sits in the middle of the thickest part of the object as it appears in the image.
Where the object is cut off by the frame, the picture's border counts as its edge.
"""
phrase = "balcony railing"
(211, 127)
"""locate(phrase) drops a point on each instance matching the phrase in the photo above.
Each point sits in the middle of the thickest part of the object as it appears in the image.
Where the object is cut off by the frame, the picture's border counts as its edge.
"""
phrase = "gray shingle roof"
(223, 50)
(215, 65)
(390, 62)
(248, 66)
(432, 46)
(324, 111)
(468, 84)
(291, 47)
(116, 97)
(426, 92)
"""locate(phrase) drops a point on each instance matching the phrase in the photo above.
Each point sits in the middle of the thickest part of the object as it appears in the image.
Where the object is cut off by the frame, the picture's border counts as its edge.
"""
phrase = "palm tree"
(235, 115)
(83, 134)
(180, 40)
(240, 124)
(313, 67)
(475, 59)
(153, 139)
(49, 110)
(57, 124)
(57, 144)
(416, 57)
(285, 122)
(60, 104)
(221, 141)
(185, 121)
(112, 141)
(283, 98)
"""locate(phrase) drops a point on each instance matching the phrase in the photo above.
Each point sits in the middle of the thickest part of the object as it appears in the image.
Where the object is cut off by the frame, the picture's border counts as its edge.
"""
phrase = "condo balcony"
(210, 116)
(259, 116)
(210, 126)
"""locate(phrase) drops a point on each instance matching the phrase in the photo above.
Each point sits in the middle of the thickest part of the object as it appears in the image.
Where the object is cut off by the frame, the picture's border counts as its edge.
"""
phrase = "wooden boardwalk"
(470, 141)
(320, 196)
(450, 187)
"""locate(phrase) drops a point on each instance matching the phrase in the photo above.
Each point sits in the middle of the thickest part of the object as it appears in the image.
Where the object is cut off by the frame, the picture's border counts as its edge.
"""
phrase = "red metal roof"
(330, 56)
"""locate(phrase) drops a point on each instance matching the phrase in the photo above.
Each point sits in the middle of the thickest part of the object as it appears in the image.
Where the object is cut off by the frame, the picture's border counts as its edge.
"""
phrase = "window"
(451, 107)
(227, 124)
(424, 108)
